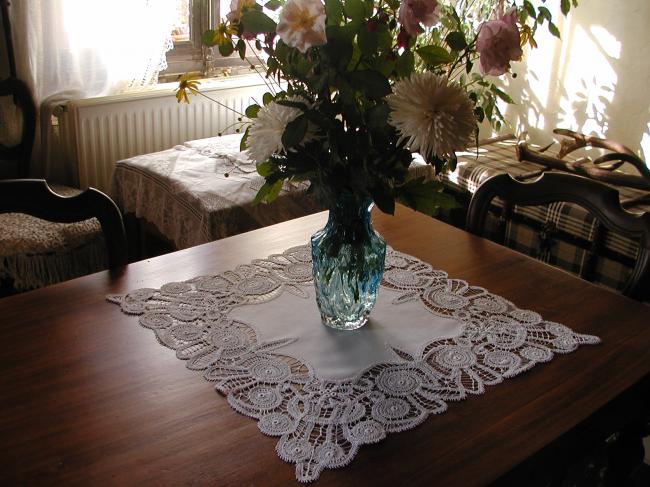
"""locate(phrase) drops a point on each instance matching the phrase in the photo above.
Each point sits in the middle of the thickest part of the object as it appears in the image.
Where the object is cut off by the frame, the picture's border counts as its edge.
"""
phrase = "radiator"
(97, 132)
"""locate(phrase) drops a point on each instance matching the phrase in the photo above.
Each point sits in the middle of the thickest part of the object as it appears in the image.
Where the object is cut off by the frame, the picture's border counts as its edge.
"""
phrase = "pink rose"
(412, 13)
(498, 43)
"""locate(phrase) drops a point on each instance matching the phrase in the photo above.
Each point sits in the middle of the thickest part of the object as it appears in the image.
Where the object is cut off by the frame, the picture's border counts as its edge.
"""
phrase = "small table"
(204, 189)
(201, 191)
(89, 397)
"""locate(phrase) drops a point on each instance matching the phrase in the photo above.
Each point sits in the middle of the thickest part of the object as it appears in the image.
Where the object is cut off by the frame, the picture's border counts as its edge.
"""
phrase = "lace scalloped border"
(322, 423)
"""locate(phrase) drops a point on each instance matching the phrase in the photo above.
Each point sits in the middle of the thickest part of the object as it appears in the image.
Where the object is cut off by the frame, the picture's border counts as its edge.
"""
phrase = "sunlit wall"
(596, 80)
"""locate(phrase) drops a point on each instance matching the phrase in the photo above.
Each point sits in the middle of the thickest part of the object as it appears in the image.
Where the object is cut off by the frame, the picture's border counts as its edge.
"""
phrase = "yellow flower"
(186, 83)
(238, 7)
(223, 33)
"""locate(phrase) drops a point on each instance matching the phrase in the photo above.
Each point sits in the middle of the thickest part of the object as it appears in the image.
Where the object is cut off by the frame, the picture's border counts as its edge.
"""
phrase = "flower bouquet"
(355, 88)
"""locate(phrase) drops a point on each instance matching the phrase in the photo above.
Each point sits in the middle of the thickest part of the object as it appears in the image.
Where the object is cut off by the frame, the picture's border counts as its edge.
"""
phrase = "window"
(193, 17)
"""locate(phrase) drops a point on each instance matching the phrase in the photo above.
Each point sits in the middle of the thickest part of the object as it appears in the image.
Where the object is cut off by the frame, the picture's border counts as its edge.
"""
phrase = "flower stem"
(221, 104)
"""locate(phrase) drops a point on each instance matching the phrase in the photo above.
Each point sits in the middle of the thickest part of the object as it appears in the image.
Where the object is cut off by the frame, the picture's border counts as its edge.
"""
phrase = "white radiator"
(97, 132)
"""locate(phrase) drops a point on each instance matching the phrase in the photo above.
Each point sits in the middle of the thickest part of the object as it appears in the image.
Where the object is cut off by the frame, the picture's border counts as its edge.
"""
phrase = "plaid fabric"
(558, 234)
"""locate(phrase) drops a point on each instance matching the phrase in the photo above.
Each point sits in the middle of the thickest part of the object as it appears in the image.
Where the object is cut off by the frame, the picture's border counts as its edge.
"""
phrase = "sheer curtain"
(68, 49)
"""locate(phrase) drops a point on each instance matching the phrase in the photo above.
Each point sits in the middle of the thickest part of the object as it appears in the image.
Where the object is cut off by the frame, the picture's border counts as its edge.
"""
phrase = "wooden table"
(89, 397)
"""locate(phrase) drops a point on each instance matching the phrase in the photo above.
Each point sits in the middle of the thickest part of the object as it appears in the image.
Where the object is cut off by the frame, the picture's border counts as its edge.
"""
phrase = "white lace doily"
(256, 333)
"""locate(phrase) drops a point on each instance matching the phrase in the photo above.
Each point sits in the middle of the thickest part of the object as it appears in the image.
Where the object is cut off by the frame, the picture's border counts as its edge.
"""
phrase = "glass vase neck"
(350, 210)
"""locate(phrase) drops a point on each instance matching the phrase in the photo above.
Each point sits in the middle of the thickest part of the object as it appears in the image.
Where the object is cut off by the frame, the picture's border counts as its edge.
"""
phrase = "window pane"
(224, 8)
(181, 30)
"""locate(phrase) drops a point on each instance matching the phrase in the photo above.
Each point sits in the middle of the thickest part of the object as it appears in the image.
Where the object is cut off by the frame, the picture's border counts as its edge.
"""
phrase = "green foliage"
(274, 4)
(434, 55)
(341, 140)
(426, 196)
(257, 22)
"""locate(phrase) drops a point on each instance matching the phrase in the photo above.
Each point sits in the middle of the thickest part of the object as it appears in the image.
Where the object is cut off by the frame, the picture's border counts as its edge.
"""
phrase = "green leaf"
(339, 46)
(565, 6)
(405, 64)
(251, 110)
(479, 114)
(257, 22)
(502, 94)
(265, 169)
(272, 64)
(385, 66)
(207, 38)
(530, 9)
(281, 51)
(355, 10)
(372, 83)
(384, 37)
(456, 18)
(294, 132)
(452, 163)
(226, 49)
(268, 192)
(377, 116)
(275, 190)
(368, 42)
(241, 48)
(456, 40)
(294, 104)
(267, 98)
(274, 4)
(383, 198)
(552, 28)
(544, 13)
(434, 55)
(242, 144)
(334, 11)
(425, 196)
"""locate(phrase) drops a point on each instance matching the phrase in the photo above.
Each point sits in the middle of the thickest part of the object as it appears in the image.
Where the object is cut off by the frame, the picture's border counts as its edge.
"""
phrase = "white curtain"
(69, 49)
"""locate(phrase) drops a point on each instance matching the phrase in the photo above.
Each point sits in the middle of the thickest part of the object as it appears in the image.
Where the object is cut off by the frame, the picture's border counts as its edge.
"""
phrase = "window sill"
(164, 90)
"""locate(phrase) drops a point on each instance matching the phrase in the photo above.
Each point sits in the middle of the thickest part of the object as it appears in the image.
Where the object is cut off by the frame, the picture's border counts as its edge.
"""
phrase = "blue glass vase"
(348, 263)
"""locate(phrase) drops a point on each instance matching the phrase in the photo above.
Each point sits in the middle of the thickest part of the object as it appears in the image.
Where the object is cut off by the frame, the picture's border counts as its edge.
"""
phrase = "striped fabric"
(561, 234)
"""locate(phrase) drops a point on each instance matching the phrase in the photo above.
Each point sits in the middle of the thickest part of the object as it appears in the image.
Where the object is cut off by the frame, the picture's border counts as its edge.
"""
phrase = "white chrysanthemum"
(265, 133)
(436, 116)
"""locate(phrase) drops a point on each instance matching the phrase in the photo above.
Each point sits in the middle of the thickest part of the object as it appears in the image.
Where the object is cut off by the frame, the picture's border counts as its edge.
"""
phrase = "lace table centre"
(256, 333)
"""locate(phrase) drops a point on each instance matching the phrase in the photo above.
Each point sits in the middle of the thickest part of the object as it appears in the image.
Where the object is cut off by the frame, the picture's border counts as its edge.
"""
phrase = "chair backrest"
(19, 151)
(600, 200)
(34, 197)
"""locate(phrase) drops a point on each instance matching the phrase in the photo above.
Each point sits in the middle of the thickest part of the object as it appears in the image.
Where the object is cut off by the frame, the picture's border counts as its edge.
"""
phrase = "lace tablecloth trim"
(322, 423)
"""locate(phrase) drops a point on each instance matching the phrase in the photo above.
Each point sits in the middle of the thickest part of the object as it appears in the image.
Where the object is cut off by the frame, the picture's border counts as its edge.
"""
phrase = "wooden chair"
(17, 154)
(600, 200)
(34, 197)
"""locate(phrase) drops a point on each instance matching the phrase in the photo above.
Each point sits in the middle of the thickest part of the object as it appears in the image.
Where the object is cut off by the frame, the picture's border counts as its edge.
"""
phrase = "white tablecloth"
(255, 332)
(203, 190)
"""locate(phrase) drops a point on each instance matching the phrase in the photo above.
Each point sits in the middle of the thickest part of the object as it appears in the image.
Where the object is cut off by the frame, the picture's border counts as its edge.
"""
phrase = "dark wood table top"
(89, 397)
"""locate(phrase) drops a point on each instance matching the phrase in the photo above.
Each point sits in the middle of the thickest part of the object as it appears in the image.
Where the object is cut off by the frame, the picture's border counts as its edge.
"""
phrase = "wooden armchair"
(34, 250)
(34, 197)
(599, 200)
(21, 112)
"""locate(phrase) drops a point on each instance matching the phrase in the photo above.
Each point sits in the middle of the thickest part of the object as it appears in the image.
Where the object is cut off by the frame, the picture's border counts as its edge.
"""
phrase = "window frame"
(190, 56)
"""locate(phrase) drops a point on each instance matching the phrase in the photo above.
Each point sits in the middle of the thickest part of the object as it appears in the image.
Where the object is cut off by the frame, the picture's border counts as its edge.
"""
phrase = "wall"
(597, 80)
